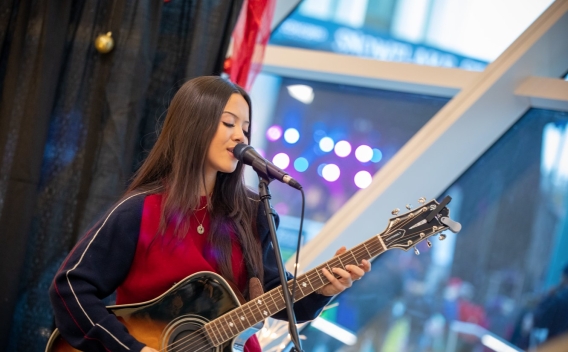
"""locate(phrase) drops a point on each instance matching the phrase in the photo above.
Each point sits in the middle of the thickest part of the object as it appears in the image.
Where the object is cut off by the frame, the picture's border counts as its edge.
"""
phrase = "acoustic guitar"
(201, 313)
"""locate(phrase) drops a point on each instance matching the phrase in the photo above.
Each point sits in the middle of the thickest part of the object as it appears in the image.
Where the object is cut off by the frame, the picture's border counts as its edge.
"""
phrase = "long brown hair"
(176, 167)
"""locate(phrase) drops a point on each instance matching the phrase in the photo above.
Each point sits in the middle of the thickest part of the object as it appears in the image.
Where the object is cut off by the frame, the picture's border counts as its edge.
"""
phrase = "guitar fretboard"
(238, 320)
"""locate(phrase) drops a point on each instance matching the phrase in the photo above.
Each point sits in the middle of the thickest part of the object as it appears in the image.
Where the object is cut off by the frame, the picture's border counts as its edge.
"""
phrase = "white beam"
(545, 93)
(351, 70)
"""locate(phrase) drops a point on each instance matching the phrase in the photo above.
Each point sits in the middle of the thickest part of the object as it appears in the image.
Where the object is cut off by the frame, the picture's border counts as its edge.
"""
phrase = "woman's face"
(233, 129)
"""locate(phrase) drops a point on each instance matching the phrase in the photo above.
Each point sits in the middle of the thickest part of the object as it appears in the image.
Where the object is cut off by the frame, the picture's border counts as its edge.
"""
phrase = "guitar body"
(168, 319)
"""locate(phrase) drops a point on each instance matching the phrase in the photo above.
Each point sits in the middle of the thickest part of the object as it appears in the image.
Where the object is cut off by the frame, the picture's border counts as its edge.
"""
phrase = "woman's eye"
(228, 124)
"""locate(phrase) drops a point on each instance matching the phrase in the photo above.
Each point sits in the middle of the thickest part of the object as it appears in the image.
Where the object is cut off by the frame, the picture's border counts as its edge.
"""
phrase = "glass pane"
(497, 282)
(331, 138)
(467, 34)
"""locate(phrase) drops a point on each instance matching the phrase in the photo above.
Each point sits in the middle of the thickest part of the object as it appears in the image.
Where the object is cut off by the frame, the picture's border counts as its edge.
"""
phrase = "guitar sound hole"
(186, 336)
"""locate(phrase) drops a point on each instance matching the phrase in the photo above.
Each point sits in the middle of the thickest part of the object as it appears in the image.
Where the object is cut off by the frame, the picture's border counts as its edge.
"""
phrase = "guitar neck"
(238, 320)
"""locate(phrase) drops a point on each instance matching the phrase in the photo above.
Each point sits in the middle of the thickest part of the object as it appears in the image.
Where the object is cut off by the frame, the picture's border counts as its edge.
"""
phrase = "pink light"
(342, 149)
(274, 133)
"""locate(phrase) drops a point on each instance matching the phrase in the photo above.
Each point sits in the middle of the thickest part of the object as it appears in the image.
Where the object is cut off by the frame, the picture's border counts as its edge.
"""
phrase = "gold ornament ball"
(104, 43)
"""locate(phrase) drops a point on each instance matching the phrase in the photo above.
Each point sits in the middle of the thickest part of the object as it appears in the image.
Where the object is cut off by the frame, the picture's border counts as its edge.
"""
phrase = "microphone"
(265, 168)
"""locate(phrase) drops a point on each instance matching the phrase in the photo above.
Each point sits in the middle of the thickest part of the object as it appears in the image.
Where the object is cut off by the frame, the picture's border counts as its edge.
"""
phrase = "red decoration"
(250, 36)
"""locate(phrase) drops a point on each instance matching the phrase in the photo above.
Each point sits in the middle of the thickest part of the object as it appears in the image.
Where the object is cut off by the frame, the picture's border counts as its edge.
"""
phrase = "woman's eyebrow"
(230, 113)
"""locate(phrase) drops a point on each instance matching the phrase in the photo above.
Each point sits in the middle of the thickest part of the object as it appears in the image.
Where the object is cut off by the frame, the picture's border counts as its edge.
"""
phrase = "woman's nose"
(239, 135)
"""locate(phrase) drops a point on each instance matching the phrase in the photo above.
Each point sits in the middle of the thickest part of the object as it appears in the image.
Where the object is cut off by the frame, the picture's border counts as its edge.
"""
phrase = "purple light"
(342, 149)
(364, 153)
(274, 133)
(282, 160)
(363, 179)
(330, 172)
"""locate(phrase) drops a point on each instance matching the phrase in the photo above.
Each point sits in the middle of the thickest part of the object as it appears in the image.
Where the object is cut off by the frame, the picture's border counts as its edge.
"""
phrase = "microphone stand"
(265, 196)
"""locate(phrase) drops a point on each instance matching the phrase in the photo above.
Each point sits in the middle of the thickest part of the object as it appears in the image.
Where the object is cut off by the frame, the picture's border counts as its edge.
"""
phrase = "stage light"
(377, 155)
(274, 133)
(301, 164)
(282, 160)
(342, 149)
(318, 135)
(320, 169)
(291, 135)
(330, 172)
(363, 179)
(326, 144)
(301, 92)
(364, 153)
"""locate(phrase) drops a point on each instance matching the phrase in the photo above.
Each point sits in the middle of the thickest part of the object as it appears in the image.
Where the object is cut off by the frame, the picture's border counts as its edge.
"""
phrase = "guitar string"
(359, 248)
(201, 330)
(191, 336)
(253, 316)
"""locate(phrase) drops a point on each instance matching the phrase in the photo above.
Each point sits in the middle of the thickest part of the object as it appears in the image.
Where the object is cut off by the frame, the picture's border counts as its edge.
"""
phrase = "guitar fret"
(228, 325)
(370, 255)
(243, 316)
(275, 305)
(340, 262)
(235, 318)
(298, 289)
(232, 324)
(310, 282)
(220, 334)
(264, 312)
(258, 314)
(319, 275)
(223, 331)
(354, 257)
(211, 334)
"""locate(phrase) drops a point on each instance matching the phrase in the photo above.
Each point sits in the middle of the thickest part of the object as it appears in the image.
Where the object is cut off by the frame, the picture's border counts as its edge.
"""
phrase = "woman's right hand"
(148, 349)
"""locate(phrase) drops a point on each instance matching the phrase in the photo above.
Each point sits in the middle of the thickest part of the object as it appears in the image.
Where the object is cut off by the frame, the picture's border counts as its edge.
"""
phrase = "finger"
(340, 251)
(356, 272)
(334, 281)
(366, 265)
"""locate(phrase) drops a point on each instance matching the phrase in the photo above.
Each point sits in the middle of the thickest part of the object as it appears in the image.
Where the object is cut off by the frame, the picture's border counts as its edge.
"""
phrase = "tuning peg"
(442, 237)
(429, 244)
(421, 200)
(416, 251)
(395, 211)
(408, 206)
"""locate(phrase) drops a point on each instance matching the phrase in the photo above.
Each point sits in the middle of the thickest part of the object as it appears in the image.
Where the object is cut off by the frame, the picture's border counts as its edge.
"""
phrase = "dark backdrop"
(75, 123)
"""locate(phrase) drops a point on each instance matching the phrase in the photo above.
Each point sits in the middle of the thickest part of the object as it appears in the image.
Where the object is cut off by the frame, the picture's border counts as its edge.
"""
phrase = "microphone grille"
(239, 150)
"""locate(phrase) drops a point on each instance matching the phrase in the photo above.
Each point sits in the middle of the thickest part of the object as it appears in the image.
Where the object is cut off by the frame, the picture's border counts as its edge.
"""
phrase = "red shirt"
(161, 261)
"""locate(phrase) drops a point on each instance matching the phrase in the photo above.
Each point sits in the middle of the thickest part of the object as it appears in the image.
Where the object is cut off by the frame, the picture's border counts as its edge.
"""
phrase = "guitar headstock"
(430, 218)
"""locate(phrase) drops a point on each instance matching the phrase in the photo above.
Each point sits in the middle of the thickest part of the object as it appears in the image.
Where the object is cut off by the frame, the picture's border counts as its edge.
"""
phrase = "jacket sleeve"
(305, 309)
(92, 271)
